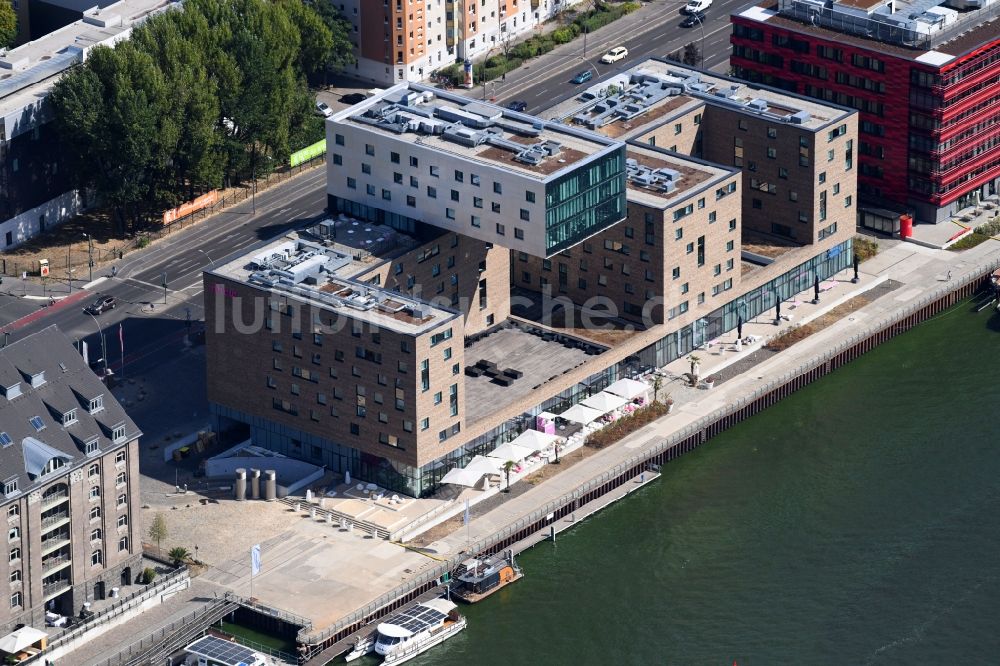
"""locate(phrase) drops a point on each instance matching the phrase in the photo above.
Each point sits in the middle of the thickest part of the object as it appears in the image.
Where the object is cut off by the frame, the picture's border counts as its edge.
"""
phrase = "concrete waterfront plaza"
(322, 572)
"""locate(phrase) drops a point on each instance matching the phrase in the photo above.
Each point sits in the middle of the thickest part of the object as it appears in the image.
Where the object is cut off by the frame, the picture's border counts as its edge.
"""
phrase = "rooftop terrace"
(475, 130)
(316, 270)
(656, 88)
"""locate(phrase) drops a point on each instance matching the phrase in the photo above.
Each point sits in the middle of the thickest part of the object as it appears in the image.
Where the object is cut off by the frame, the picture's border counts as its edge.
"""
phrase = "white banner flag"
(255, 560)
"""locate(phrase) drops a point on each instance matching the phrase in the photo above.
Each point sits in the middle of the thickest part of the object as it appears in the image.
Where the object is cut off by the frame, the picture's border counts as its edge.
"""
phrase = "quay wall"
(684, 440)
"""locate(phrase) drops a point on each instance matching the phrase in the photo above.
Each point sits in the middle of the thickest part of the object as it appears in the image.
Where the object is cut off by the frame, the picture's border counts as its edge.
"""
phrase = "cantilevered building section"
(415, 156)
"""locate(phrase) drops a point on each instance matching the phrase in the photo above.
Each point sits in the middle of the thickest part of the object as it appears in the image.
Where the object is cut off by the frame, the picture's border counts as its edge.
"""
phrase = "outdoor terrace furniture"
(473, 371)
(491, 372)
(483, 363)
(513, 374)
(501, 380)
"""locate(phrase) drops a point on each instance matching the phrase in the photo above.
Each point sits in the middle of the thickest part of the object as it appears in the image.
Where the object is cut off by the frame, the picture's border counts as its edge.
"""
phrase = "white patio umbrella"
(21, 638)
(463, 477)
(484, 465)
(628, 388)
(511, 451)
(535, 440)
(581, 414)
(604, 402)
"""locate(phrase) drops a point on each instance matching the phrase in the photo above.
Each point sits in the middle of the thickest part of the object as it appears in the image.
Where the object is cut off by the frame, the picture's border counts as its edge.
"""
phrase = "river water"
(857, 522)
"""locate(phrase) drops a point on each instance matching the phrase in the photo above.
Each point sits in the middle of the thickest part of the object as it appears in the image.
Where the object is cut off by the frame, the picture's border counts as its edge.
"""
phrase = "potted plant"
(710, 381)
(669, 402)
(695, 362)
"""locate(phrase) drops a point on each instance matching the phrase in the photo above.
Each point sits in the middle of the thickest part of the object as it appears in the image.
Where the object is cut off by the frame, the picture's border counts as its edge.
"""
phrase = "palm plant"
(507, 467)
(178, 555)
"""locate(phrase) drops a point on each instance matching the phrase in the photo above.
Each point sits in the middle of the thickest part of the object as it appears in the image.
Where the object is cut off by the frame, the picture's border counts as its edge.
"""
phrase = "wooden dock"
(550, 532)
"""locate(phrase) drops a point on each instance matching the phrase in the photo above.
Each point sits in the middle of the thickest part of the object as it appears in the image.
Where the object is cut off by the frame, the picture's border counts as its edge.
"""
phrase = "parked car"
(101, 305)
(614, 55)
(583, 77)
(691, 20)
(323, 109)
(517, 105)
(697, 6)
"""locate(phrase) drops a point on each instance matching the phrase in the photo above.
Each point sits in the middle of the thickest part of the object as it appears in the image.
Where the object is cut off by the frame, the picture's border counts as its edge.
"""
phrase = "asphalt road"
(548, 82)
(150, 335)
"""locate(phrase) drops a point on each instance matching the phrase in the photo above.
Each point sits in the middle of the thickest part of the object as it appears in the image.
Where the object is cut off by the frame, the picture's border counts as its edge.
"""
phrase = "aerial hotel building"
(453, 223)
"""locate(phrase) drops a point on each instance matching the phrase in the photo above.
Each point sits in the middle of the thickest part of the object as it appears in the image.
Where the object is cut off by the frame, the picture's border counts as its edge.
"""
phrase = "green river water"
(857, 522)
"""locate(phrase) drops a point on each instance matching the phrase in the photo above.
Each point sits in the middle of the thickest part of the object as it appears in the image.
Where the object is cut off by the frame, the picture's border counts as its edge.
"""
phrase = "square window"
(529, 196)
(518, 233)
(497, 188)
(525, 215)
(394, 158)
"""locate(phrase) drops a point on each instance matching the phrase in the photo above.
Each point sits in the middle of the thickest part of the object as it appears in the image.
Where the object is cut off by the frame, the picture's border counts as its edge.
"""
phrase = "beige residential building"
(70, 465)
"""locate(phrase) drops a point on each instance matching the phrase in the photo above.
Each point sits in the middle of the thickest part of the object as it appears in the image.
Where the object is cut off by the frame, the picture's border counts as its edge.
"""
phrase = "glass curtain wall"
(585, 201)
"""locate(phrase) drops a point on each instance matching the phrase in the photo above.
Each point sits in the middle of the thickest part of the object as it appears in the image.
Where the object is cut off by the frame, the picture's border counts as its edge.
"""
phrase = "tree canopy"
(200, 96)
(8, 24)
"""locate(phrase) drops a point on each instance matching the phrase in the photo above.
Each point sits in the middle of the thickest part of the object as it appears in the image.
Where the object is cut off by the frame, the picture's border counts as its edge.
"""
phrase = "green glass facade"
(585, 201)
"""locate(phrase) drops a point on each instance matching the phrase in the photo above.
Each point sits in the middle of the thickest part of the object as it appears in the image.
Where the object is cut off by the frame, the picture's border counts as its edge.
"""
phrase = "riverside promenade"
(918, 270)
(901, 279)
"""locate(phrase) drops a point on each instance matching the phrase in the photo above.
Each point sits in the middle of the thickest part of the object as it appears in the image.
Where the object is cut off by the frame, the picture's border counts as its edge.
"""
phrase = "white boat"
(364, 645)
(416, 630)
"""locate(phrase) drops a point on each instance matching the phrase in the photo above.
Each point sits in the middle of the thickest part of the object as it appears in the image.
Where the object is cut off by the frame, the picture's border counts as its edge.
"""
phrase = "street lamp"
(702, 25)
(90, 256)
(212, 263)
(104, 349)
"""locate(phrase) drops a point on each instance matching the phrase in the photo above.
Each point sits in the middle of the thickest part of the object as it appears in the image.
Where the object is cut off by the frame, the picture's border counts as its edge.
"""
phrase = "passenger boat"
(416, 630)
(479, 578)
(364, 645)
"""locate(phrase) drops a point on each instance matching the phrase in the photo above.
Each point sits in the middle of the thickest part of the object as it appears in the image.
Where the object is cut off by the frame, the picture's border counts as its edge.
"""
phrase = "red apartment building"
(924, 75)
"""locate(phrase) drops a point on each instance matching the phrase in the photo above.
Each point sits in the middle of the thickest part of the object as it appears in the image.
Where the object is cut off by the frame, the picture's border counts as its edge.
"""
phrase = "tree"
(8, 24)
(657, 385)
(158, 529)
(507, 467)
(692, 55)
(341, 50)
(178, 555)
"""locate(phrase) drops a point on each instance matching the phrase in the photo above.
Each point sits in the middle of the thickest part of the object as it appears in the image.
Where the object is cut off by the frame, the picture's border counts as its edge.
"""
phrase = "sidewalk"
(918, 269)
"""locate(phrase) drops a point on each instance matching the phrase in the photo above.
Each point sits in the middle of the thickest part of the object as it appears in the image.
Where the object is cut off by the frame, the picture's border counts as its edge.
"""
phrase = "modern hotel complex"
(924, 76)
(462, 232)
(70, 489)
(403, 40)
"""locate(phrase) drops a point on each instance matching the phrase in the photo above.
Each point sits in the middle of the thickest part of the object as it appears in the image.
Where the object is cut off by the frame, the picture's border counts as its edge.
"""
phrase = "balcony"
(55, 520)
(54, 589)
(54, 499)
(52, 564)
(53, 544)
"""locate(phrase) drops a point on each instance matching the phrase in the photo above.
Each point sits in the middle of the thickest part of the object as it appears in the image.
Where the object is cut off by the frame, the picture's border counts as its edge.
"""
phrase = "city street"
(651, 31)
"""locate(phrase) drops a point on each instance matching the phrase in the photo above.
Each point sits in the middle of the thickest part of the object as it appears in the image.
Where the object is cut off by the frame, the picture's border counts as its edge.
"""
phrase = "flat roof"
(658, 88)
(658, 178)
(941, 33)
(475, 130)
(309, 267)
(28, 72)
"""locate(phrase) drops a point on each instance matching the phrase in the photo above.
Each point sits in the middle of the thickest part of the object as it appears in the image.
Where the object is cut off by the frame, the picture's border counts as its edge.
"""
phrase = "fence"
(79, 259)
(173, 636)
(110, 613)
(672, 447)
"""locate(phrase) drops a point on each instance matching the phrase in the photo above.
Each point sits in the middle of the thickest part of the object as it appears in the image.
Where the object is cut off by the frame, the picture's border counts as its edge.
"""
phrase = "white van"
(694, 6)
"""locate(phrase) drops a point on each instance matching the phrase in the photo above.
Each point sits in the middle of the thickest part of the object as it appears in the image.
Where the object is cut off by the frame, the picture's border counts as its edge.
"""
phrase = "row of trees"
(200, 97)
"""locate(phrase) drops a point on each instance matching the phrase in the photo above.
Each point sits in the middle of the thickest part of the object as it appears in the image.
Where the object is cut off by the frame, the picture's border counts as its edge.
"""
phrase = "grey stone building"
(69, 469)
